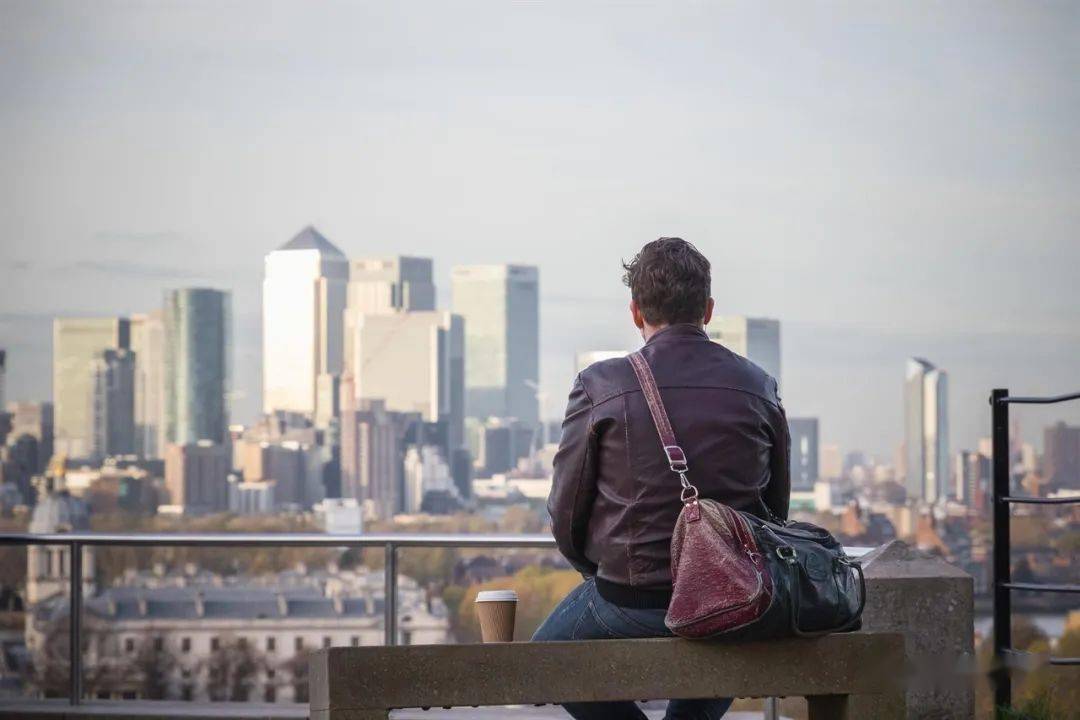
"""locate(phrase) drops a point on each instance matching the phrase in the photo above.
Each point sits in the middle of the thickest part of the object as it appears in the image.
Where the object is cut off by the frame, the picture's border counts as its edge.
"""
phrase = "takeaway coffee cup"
(496, 610)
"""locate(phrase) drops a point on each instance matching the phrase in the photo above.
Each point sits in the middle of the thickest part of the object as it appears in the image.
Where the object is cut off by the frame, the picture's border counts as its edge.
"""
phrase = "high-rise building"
(385, 285)
(197, 347)
(304, 293)
(35, 420)
(805, 468)
(148, 344)
(426, 472)
(584, 359)
(372, 449)
(76, 342)
(926, 431)
(501, 308)
(1061, 455)
(112, 418)
(3, 377)
(756, 339)
(196, 476)
(415, 362)
(831, 462)
(973, 480)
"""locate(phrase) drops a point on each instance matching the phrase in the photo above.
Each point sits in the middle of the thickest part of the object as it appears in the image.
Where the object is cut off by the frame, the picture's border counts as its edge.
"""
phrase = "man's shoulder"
(606, 379)
(708, 365)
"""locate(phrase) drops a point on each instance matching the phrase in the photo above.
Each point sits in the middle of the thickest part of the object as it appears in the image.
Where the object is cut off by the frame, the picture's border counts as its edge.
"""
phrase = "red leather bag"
(721, 582)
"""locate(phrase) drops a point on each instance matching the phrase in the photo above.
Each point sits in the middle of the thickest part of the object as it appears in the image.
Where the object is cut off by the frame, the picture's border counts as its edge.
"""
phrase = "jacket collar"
(676, 332)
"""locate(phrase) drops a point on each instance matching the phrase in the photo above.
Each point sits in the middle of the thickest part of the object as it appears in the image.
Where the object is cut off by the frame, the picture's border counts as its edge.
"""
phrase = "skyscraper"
(371, 456)
(196, 476)
(112, 418)
(197, 347)
(35, 420)
(76, 342)
(501, 308)
(1061, 455)
(414, 361)
(148, 344)
(304, 293)
(756, 339)
(385, 285)
(805, 468)
(926, 431)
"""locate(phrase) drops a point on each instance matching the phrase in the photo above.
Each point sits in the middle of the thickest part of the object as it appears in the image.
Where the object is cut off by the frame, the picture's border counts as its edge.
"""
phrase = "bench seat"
(365, 683)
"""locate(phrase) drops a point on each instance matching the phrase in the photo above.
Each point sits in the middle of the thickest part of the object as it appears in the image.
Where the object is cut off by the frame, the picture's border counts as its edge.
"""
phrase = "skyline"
(913, 197)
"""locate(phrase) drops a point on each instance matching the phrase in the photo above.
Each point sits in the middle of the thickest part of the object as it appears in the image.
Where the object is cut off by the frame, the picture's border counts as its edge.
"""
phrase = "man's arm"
(573, 487)
(777, 495)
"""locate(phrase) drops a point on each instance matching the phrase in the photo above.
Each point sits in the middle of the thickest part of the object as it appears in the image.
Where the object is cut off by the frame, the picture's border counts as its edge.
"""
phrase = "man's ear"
(708, 312)
(639, 319)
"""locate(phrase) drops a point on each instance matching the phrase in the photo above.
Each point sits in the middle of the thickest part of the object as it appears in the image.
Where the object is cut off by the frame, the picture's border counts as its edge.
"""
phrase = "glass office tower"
(197, 352)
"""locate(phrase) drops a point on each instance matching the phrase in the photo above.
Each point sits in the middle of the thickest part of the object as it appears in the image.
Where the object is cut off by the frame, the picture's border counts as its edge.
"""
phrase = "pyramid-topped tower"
(311, 239)
(304, 292)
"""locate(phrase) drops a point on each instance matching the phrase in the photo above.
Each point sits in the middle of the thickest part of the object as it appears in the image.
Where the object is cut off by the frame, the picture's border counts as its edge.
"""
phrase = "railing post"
(390, 603)
(1002, 551)
(75, 626)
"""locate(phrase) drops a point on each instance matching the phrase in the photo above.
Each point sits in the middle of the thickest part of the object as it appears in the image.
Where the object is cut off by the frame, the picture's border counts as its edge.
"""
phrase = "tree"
(154, 665)
(231, 670)
(539, 591)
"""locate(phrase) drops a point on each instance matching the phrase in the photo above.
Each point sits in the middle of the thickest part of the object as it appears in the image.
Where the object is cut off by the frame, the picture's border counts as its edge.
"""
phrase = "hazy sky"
(887, 179)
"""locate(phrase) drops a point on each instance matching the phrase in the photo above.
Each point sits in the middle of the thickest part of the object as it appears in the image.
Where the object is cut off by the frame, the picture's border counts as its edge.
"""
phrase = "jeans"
(584, 615)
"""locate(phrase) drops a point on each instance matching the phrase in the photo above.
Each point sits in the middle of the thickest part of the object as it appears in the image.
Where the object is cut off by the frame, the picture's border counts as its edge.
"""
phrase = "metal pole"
(75, 627)
(1002, 550)
(390, 603)
(771, 706)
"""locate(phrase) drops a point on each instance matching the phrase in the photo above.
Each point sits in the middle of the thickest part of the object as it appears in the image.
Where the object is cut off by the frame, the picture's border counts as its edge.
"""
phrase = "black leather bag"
(818, 588)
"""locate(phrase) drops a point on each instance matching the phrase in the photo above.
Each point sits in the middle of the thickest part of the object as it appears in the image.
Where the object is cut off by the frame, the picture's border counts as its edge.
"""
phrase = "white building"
(501, 308)
(340, 516)
(926, 431)
(177, 630)
(756, 339)
(195, 618)
(426, 472)
(414, 361)
(501, 487)
(304, 292)
(378, 286)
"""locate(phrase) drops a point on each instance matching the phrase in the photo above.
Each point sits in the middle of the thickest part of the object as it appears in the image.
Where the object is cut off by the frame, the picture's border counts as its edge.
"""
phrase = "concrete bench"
(365, 683)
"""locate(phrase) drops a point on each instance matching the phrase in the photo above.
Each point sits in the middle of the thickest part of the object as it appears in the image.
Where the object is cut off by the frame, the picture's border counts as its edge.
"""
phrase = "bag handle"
(675, 456)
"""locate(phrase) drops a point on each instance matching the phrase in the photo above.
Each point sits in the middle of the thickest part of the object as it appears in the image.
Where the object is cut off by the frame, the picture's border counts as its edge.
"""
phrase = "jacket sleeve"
(573, 486)
(777, 495)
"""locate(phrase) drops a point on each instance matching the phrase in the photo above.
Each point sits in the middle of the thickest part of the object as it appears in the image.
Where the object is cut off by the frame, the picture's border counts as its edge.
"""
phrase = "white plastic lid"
(496, 596)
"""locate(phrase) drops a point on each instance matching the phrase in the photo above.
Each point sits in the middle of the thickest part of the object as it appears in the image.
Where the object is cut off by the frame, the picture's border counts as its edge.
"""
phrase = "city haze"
(885, 180)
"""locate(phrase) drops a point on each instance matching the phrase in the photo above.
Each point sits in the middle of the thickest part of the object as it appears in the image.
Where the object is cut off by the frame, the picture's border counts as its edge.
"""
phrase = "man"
(614, 500)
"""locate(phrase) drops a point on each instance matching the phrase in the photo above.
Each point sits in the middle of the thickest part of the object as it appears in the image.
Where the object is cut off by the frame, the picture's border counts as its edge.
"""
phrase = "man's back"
(615, 500)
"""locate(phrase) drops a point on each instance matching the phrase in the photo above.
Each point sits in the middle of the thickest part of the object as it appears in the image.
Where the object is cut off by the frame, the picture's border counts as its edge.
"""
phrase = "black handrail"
(1004, 654)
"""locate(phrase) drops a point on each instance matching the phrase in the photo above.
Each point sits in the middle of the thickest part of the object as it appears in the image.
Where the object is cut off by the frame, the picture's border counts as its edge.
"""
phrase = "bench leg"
(829, 707)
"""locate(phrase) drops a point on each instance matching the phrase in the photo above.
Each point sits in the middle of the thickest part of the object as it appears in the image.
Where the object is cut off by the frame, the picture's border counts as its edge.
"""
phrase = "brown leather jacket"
(614, 499)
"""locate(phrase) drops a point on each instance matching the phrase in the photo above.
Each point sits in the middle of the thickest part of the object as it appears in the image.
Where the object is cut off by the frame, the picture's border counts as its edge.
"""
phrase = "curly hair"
(670, 282)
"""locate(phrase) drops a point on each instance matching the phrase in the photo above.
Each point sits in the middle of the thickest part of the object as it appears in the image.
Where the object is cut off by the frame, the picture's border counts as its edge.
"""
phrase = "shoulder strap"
(675, 455)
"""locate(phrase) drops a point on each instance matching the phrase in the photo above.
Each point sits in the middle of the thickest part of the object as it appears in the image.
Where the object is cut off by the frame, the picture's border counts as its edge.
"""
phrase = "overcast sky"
(887, 179)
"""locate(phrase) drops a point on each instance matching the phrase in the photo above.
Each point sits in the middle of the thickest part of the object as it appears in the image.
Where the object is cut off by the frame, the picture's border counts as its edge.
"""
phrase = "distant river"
(1052, 625)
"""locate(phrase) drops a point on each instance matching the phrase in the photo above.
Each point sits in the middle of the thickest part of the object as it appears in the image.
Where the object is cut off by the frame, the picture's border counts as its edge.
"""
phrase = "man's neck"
(647, 331)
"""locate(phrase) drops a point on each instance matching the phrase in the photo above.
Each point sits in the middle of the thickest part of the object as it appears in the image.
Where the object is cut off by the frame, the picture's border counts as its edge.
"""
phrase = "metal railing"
(389, 542)
(1005, 656)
